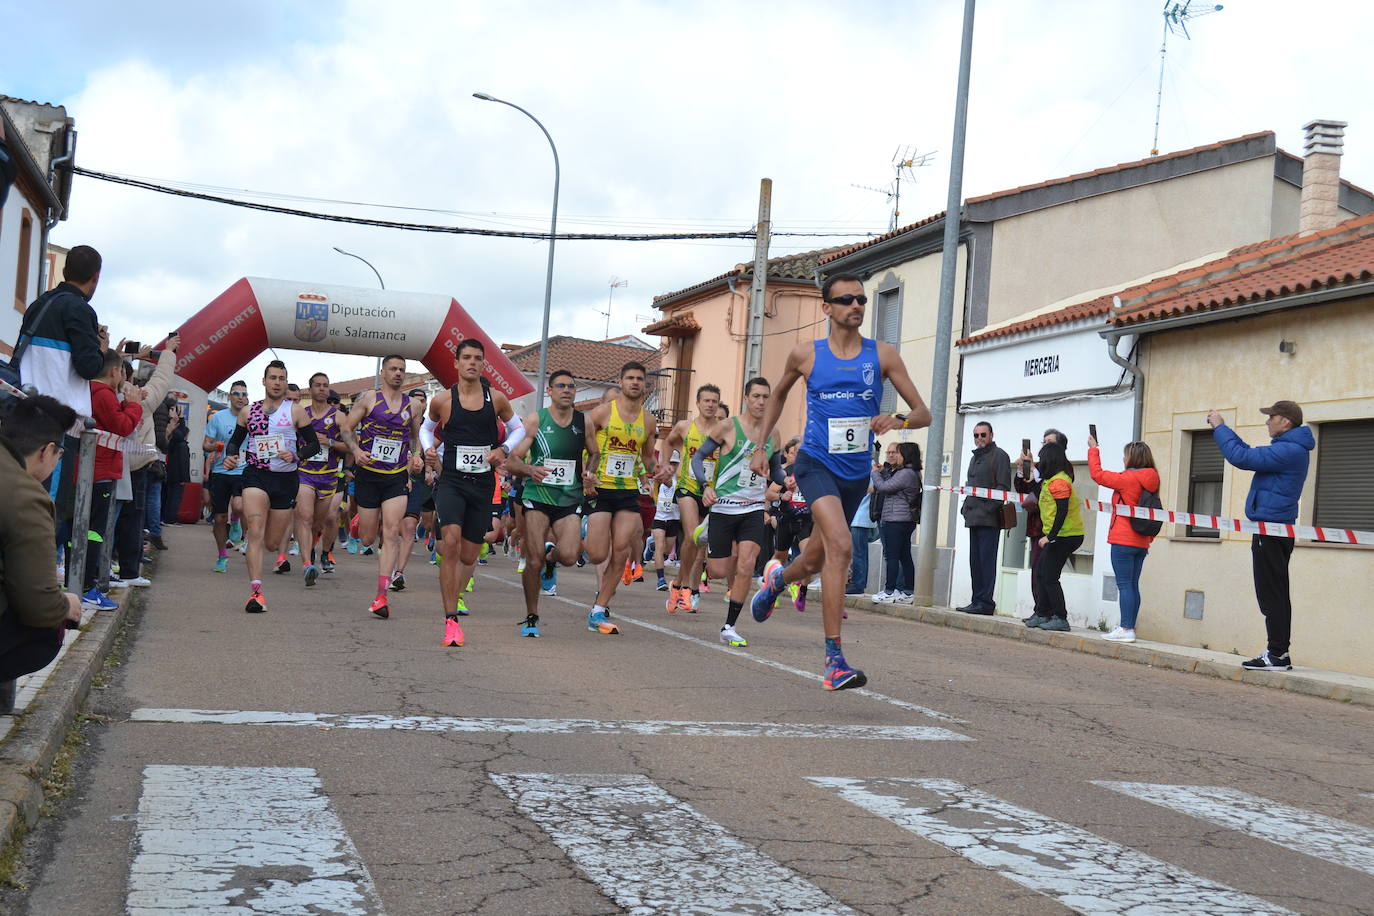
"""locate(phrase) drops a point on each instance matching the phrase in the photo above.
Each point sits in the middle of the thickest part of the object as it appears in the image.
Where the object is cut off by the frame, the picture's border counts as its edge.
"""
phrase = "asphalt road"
(341, 763)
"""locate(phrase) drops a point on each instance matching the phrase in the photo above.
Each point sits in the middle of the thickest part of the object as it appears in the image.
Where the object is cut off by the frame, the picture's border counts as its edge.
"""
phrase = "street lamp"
(377, 382)
(553, 230)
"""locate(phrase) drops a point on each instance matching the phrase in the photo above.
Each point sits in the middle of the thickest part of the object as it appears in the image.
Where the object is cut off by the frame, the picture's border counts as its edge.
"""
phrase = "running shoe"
(469, 586)
(138, 582)
(453, 634)
(839, 676)
(434, 558)
(550, 566)
(663, 584)
(256, 604)
(295, 550)
(93, 600)
(799, 598)
(530, 626)
(765, 598)
(705, 584)
(548, 585)
(235, 532)
(582, 559)
(222, 564)
(627, 573)
(520, 567)
(792, 590)
(637, 573)
(243, 547)
(398, 581)
(731, 638)
(379, 607)
(600, 622)
(462, 609)
(283, 564)
(312, 575)
(699, 533)
(327, 564)
(674, 602)
(368, 551)
(693, 603)
(352, 545)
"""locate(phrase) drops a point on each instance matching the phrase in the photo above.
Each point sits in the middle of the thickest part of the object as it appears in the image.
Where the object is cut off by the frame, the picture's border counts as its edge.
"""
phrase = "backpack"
(1148, 527)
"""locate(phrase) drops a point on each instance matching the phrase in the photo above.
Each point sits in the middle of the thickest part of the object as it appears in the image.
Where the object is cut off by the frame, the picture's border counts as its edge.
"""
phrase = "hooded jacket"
(1280, 471)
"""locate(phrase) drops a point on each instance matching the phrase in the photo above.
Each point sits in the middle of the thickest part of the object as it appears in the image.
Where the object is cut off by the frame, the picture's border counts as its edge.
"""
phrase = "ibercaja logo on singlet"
(312, 318)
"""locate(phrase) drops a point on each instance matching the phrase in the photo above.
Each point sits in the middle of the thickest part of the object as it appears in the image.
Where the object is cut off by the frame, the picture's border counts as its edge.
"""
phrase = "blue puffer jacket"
(1280, 470)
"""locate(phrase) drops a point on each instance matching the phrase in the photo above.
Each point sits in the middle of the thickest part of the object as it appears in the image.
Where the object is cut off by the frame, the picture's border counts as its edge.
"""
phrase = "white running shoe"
(883, 597)
(1121, 635)
(139, 582)
(901, 598)
(731, 638)
(520, 567)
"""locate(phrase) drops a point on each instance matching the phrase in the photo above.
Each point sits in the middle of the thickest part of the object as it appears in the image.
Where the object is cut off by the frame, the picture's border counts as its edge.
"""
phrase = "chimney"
(1321, 176)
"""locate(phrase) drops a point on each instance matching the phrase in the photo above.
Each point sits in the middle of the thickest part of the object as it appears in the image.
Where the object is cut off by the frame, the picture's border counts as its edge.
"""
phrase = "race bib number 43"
(470, 459)
(386, 451)
(620, 465)
(265, 448)
(848, 434)
(561, 472)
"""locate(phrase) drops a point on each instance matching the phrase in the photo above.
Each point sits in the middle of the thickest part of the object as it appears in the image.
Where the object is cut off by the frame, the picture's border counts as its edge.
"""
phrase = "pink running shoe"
(453, 634)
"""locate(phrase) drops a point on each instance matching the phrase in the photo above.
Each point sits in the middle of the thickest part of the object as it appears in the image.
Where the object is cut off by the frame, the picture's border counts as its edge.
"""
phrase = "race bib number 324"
(468, 459)
(848, 434)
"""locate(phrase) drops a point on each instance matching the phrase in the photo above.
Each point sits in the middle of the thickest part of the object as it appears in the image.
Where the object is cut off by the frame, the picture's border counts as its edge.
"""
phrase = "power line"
(450, 230)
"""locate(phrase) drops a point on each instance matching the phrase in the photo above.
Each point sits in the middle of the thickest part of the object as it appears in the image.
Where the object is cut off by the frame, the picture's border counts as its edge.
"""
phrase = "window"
(887, 327)
(21, 276)
(1205, 468)
(1081, 560)
(1345, 463)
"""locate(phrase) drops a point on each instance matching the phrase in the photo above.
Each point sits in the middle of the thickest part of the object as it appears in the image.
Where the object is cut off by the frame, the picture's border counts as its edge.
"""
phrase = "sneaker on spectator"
(1121, 634)
(93, 600)
(900, 597)
(882, 597)
(1266, 661)
(139, 582)
(1056, 625)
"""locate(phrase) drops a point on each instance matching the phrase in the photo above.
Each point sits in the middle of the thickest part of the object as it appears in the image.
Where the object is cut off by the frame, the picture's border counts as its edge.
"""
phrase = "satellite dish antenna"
(1177, 14)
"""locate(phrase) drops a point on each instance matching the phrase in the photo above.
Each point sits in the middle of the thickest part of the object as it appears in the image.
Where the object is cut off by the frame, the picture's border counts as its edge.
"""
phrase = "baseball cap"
(1286, 409)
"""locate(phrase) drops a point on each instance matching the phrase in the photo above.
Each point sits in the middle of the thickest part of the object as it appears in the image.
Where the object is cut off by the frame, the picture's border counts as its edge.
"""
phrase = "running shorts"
(280, 486)
(816, 480)
(725, 530)
(223, 488)
(465, 500)
(372, 489)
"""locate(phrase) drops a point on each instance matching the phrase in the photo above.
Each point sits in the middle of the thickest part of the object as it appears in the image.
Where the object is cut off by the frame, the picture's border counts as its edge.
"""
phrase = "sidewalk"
(1331, 685)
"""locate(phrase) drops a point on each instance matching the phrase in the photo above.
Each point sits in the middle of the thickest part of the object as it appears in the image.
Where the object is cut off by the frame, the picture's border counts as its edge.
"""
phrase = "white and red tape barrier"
(103, 438)
(1217, 522)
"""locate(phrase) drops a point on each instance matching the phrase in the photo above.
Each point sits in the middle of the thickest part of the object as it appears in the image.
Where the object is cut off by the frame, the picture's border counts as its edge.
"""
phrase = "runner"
(685, 438)
(330, 533)
(419, 504)
(735, 496)
(617, 436)
(844, 375)
(226, 487)
(474, 419)
(549, 456)
(319, 475)
(794, 520)
(666, 528)
(386, 424)
(278, 432)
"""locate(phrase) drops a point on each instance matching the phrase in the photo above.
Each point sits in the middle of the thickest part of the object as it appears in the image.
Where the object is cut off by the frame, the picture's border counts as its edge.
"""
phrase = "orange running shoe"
(453, 634)
(256, 604)
(637, 572)
(380, 607)
(627, 575)
(673, 604)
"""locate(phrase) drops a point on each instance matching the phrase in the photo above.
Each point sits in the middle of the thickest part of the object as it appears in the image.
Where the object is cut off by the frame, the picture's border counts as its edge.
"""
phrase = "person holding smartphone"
(1061, 515)
(1129, 546)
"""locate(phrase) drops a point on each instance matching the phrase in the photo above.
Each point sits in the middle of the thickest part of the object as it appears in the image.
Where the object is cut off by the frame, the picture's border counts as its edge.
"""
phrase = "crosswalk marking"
(736, 653)
(652, 853)
(1283, 825)
(243, 840)
(549, 726)
(1083, 871)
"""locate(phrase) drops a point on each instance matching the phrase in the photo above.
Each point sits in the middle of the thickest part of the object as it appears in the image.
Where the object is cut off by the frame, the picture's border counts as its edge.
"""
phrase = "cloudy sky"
(666, 116)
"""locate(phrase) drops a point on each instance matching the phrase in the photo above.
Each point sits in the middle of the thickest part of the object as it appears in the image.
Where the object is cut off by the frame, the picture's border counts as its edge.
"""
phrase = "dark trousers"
(129, 527)
(24, 649)
(171, 501)
(1269, 560)
(1051, 564)
(899, 571)
(982, 563)
(102, 504)
(1035, 553)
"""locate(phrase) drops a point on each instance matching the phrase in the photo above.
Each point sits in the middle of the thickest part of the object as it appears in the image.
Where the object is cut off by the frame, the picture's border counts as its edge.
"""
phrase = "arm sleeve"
(704, 451)
(775, 471)
(427, 429)
(236, 441)
(1061, 511)
(307, 443)
(515, 431)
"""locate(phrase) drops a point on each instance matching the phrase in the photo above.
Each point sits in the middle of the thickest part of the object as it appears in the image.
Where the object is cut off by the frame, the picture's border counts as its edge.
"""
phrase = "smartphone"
(1025, 464)
(1025, 445)
(131, 347)
(1092, 430)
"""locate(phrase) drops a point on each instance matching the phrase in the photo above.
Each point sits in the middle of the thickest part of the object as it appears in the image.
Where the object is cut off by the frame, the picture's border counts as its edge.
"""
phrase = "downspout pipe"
(1137, 420)
(65, 159)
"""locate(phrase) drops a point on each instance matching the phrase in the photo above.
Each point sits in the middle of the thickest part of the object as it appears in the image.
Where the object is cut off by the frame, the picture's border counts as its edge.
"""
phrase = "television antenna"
(904, 163)
(615, 283)
(1177, 14)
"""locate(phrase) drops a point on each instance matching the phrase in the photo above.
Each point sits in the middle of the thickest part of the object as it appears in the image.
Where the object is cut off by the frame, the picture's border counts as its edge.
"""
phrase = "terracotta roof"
(1091, 309)
(682, 324)
(801, 266)
(850, 249)
(355, 386)
(585, 359)
(1283, 266)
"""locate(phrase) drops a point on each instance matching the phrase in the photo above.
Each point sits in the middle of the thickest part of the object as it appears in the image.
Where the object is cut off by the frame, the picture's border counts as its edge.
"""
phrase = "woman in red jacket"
(1128, 545)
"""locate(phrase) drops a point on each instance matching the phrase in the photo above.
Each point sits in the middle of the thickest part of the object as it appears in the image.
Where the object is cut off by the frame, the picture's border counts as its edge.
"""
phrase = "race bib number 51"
(620, 465)
(848, 434)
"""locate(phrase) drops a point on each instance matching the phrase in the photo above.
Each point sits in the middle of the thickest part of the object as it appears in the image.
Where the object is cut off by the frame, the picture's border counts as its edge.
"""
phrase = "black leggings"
(1051, 564)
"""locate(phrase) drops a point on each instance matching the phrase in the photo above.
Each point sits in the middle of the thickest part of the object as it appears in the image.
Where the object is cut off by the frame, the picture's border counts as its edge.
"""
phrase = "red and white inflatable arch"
(255, 314)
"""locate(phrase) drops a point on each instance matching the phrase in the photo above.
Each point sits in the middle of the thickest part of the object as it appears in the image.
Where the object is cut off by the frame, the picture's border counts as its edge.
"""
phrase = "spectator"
(1280, 471)
(899, 484)
(1062, 515)
(178, 465)
(864, 531)
(990, 467)
(121, 419)
(1027, 481)
(1129, 546)
(33, 607)
(129, 524)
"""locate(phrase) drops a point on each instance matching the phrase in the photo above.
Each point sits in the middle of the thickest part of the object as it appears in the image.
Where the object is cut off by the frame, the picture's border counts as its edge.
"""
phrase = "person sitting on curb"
(33, 607)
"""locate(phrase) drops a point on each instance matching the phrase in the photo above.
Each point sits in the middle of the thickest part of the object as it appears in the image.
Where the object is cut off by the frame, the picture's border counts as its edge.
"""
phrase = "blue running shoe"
(548, 585)
(765, 598)
(222, 564)
(235, 532)
(599, 622)
(530, 626)
(93, 600)
(312, 575)
(352, 545)
(839, 676)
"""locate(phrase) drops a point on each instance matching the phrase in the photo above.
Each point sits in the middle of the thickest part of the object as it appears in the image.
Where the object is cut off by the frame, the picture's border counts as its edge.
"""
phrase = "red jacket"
(1127, 485)
(113, 417)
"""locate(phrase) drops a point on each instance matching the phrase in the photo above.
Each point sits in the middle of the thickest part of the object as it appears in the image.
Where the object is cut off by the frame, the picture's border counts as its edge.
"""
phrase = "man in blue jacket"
(1280, 471)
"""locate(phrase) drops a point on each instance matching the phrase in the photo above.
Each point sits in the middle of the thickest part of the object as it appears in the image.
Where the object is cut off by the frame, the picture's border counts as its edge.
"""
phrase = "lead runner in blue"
(844, 375)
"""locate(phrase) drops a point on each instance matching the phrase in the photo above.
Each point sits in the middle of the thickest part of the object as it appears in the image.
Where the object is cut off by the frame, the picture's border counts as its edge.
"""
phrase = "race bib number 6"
(470, 459)
(620, 465)
(848, 434)
(386, 451)
(561, 471)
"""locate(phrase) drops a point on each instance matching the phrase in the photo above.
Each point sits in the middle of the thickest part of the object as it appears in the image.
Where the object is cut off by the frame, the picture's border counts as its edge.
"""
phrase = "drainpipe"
(65, 158)
(1135, 370)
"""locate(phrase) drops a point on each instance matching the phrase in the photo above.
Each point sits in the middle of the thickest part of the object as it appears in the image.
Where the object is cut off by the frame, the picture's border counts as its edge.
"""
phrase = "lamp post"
(377, 381)
(553, 230)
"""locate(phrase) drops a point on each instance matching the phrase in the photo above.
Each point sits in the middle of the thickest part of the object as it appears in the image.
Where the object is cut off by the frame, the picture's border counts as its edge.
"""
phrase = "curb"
(1321, 684)
(27, 753)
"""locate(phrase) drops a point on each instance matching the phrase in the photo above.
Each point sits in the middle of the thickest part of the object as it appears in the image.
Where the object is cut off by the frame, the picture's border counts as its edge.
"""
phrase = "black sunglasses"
(849, 299)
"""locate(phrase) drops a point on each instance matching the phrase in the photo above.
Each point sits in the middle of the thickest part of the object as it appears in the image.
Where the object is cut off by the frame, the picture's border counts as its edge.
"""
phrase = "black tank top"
(469, 434)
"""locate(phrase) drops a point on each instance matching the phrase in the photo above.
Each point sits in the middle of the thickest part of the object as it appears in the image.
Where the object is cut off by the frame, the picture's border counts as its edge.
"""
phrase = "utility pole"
(944, 323)
(753, 341)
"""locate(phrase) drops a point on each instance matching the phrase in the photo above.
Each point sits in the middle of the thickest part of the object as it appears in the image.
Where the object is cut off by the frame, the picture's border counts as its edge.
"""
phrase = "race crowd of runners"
(460, 473)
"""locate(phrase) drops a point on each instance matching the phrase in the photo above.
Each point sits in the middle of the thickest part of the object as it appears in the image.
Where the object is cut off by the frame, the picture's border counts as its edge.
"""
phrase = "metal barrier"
(81, 511)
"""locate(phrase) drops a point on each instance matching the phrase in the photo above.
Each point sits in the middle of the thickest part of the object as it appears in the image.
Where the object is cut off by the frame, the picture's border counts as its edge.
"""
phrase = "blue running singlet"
(842, 396)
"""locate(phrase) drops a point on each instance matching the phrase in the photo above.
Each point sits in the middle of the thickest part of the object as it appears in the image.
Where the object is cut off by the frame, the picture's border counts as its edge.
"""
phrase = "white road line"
(652, 853)
(736, 653)
(243, 840)
(548, 726)
(1283, 825)
(1084, 872)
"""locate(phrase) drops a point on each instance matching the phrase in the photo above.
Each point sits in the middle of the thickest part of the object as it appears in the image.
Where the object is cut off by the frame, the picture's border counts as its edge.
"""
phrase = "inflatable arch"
(256, 314)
